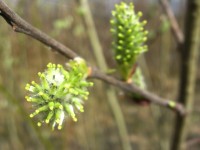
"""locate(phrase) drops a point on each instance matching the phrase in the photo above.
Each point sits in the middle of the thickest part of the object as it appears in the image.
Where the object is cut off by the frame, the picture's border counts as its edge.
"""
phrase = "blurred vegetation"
(22, 58)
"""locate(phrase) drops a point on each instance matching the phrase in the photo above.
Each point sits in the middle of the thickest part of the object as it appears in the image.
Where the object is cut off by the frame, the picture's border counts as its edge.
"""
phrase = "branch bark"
(21, 26)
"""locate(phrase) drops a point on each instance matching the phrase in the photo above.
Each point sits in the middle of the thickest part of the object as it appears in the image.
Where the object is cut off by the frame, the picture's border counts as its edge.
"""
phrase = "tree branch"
(134, 89)
(178, 34)
(20, 25)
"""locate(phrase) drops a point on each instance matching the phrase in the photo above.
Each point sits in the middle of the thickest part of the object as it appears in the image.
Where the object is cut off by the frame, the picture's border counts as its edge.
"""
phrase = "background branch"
(20, 25)
(189, 68)
(112, 99)
(178, 34)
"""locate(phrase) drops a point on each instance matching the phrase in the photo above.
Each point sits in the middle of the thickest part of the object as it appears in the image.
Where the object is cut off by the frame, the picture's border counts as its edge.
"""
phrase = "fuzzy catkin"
(60, 93)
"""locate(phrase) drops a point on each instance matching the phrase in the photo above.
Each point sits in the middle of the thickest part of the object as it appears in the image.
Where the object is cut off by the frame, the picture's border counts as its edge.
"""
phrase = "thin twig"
(178, 34)
(20, 25)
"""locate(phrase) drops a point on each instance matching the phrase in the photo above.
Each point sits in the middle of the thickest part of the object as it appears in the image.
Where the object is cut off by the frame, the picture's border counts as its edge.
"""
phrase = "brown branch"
(134, 89)
(178, 34)
(20, 25)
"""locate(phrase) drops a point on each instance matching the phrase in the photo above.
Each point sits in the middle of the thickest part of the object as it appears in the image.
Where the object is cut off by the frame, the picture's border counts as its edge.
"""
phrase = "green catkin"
(60, 92)
(128, 37)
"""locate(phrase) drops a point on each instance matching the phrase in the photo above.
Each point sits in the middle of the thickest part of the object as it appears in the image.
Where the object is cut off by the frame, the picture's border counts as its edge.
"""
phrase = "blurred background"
(149, 127)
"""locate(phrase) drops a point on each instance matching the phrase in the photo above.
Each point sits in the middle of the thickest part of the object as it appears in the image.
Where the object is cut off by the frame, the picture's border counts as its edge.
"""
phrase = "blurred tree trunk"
(189, 59)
